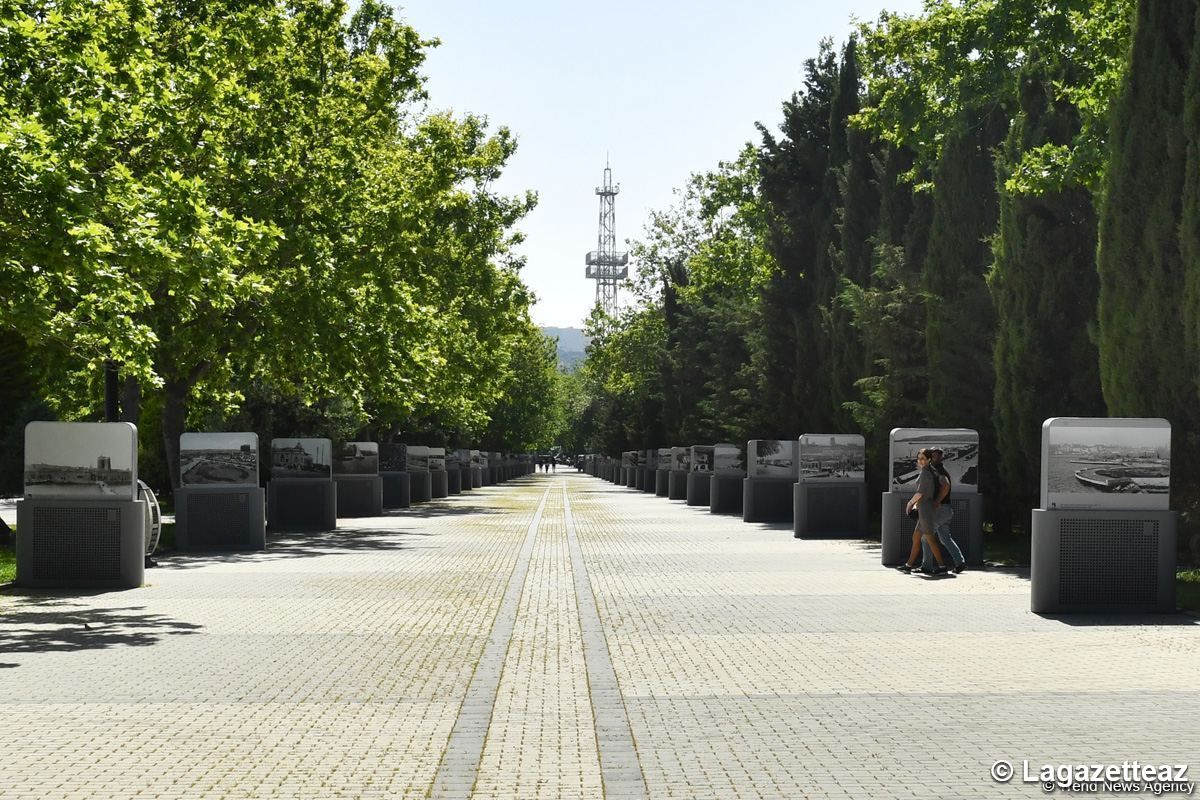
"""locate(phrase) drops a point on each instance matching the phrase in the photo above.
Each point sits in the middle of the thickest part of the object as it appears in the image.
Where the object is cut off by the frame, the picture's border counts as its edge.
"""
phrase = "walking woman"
(923, 501)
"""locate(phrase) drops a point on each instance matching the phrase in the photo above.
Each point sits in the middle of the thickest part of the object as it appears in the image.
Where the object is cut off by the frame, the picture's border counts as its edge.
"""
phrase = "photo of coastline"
(80, 459)
(832, 457)
(218, 458)
(1101, 463)
(437, 459)
(393, 457)
(960, 456)
(418, 458)
(357, 458)
(310, 459)
(727, 460)
(772, 458)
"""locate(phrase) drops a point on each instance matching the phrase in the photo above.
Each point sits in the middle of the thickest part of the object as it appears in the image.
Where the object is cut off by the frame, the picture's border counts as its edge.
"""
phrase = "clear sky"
(663, 88)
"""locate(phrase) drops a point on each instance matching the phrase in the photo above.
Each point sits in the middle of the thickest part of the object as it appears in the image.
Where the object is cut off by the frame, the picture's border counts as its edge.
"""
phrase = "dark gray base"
(397, 489)
(662, 482)
(439, 483)
(897, 529)
(649, 477)
(1102, 561)
(220, 518)
(725, 494)
(830, 510)
(697, 488)
(493, 476)
(464, 480)
(677, 485)
(301, 505)
(623, 478)
(631, 477)
(454, 481)
(476, 477)
(88, 543)
(421, 483)
(359, 495)
(766, 500)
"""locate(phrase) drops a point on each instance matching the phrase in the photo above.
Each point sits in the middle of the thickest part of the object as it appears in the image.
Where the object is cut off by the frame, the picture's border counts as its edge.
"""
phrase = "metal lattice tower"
(605, 264)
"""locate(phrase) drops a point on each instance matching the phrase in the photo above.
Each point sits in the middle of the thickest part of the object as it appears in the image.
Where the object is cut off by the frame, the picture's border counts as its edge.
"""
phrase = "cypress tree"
(1044, 286)
(1140, 261)
(1189, 229)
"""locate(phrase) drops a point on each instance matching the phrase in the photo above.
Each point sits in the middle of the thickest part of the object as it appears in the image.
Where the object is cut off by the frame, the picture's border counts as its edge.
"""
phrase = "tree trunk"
(174, 417)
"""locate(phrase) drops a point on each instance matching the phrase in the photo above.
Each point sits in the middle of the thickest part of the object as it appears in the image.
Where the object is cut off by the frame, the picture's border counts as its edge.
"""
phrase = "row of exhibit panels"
(99, 459)
(1087, 462)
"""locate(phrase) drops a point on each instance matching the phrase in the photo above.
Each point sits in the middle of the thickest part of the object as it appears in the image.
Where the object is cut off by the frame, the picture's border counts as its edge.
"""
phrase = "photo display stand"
(453, 473)
(493, 467)
(830, 497)
(301, 495)
(725, 480)
(700, 472)
(219, 504)
(80, 523)
(662, 475)
(439, 481)
(649, 470)
(1104, 538)
(476, 469)
(420, 479)
(463, 467)
(677, 484)
(356, 476)
(629, 469)
(771, 474)
(393, 474)
(961, 459)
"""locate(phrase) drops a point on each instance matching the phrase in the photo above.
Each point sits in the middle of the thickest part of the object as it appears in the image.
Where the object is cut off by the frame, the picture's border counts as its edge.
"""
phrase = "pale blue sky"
(663, 88)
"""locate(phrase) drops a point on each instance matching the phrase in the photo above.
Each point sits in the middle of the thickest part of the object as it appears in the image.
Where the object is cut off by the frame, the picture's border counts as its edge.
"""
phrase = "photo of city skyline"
(80, 459)
(218, 458)
(960, 456)
(832, 456)
(1124, 464)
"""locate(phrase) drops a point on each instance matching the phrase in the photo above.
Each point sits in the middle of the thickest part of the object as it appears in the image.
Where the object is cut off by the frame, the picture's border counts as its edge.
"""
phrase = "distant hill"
(571, 344)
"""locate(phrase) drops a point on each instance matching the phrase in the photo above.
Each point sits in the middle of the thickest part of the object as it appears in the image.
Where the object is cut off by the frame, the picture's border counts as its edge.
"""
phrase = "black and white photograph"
(393, 457)
(702, 458)
(727, 460)
(664, 458)
(80, 459)
(680, 459)
(629, 459)
(418, 458)
(301, 458)
(229, 459)
(772, 458)
(1106, 463)
(832, 457)
(357, 458)
(476, 459)
(960, 455)
(437, 459)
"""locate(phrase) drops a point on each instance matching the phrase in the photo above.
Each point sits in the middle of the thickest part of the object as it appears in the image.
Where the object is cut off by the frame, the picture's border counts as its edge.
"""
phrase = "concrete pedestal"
(767, 500)
(493, 476)
(677, 485)
(725, 494)
(220, 518)
(454, 481)
(439, 483)
(697, 488)
(359, 495)
(301, 505)
(830, 510)
(662, 482)
(476, 477)
(421, 486)
(649, 479)
(638, 479)
(897, 529)
(86, 543)
(1102, 561)
(397, 491)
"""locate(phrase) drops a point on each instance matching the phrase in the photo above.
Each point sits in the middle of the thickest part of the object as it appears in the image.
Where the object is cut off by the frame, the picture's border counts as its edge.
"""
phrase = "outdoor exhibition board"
(1105, 537)
(80, 522)
(356, 475)
(420, 478)
(700, 470)
(725, 481)
(219, 505)
(629, 466)
(439, 481)
(662, 474)
(771, 472)
(453, 472)
(680, 467)
(301, 494)
(830, 497)
(393, 471)
(648, 469)
(960, 457)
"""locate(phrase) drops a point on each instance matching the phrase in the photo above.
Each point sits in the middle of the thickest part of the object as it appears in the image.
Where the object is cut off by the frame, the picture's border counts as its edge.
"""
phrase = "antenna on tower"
(605, 264)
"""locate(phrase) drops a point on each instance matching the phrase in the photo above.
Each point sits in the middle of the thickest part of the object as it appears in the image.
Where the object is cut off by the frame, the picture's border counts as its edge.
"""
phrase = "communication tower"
(605, 265)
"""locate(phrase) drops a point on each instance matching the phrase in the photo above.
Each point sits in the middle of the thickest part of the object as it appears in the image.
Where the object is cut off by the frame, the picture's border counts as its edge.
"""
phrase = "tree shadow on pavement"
(298, 544)
(1115, 620)
(52, 623)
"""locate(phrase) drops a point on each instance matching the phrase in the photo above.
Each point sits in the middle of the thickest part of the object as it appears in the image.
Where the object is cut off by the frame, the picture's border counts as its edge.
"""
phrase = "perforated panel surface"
(1108, 562)
(299, 504)
(218, 520)
(833, 509)
(82, 544)
(356, 498)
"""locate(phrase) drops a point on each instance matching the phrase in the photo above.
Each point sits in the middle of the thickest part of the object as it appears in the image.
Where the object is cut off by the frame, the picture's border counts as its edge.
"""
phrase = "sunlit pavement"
(562, 637)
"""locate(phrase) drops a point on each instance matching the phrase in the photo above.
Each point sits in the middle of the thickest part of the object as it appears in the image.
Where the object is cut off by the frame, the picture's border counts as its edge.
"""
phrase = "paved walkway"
(561, 637)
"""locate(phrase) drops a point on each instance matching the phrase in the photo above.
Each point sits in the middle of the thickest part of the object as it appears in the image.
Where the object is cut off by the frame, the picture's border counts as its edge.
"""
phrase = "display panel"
(81, 459)
(771, 458)
(437, 459)
(357, 458)
(832, 457)
(960, 456)
(418, 458)
(225, 459)
(681, 459)
(1097, 462)
(702, 458)
(664, 458)
(727, 460)
(302, 458)
(393, 457)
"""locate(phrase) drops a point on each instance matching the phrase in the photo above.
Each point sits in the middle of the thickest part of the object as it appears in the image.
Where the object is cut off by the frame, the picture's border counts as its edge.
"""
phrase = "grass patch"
(1006, 549)
(1187, 590)
(8, 564)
